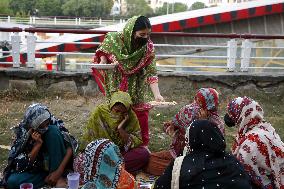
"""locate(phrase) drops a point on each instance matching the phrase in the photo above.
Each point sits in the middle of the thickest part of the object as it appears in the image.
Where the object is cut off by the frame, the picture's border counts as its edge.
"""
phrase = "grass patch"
(5, 134)
(3, 159)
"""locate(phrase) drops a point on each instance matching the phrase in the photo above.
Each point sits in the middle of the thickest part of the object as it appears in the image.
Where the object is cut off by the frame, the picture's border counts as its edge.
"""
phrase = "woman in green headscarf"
(133, 52)
(117, 121)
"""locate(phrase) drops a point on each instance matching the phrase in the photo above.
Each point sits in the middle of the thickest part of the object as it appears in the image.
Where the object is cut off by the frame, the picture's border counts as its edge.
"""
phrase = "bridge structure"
(199, 31)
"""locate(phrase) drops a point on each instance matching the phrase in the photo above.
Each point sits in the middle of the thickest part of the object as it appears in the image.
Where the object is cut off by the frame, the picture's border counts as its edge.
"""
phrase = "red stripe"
(70, 47)
(242, 14)
(226, 17)
(101, 38)
(158, 28)
(259, 11)
(174, 26)
(87, 46)
(193, 23)
(208, 20)
(277, 8)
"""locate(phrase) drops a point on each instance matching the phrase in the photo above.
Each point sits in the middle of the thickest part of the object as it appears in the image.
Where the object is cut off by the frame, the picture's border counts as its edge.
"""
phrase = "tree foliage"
(4, 7)
(49, 7)
(89, 8)
(197, 5)
(138, 7)
(22, 7)
(171, 8)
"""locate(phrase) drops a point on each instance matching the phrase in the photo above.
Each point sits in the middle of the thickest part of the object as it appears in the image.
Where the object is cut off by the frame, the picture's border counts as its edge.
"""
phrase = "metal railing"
(32, 20)
(237, 42)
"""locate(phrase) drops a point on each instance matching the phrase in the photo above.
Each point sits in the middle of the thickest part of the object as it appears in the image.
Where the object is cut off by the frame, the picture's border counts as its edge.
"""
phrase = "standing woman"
(133, 52)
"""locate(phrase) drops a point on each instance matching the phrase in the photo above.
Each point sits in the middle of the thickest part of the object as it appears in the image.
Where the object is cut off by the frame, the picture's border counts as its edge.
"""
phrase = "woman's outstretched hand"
(159, 98)
(100, 60)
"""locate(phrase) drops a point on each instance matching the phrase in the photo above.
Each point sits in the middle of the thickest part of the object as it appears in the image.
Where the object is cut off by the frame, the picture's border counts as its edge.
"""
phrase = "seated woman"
(205, 164)
(208, 101)
(42, 151)
(176, 129)
(118, 122)
(257, 146)
(205, 106)
(102, 167)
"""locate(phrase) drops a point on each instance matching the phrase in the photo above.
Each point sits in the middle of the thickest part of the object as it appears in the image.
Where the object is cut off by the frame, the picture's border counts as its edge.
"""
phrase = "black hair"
(141, 23)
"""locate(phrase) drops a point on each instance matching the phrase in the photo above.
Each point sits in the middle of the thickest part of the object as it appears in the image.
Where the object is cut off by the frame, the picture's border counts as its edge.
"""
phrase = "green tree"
(89, 8)
(49, 7)
(138, 7)
(22, 7)
(4, 7)
(171, 8)
(197, 5)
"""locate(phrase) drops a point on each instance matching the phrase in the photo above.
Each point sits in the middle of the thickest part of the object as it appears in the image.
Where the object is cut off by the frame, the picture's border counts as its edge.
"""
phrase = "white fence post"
(232, 55)
(76, 21)
(100, 22)
(79, 21)
(9, 19)
(16, 39)
(34, 19)
(31, 42)
(31, 20)
(179, 63)
(55, 21)
(245, 55)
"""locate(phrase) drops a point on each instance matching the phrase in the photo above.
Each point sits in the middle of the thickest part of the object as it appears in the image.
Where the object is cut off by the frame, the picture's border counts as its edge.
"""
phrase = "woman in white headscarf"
(257, 145)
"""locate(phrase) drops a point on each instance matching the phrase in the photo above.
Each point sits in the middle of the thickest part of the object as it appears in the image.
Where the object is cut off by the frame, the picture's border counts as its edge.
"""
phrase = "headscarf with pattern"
(134, 65)
(102, 165)
(257, 145)
(35, 115)
(181, 122)
(186, 116)
(208, 99)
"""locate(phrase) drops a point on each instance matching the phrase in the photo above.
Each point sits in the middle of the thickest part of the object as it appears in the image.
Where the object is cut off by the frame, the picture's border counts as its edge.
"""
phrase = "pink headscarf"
(257, 145)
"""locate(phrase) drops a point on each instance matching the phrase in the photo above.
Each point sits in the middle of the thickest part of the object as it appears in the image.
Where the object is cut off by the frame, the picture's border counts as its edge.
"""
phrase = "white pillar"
(16, 39)
(9, 19)
(31, 43)
(55, 21)
(232, 55)
(245, 55)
